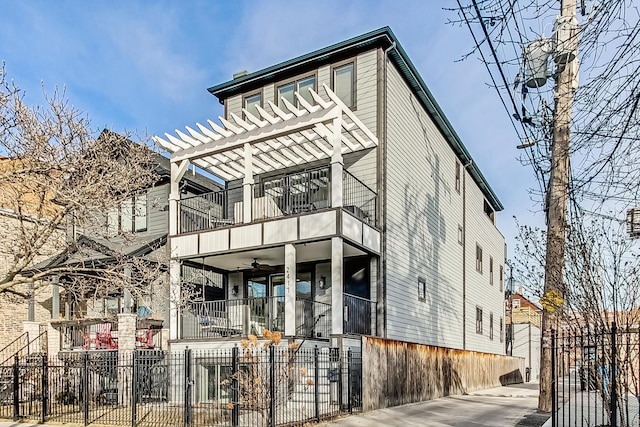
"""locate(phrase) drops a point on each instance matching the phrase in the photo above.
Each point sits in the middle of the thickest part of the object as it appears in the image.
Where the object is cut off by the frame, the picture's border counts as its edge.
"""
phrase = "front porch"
(240, 317)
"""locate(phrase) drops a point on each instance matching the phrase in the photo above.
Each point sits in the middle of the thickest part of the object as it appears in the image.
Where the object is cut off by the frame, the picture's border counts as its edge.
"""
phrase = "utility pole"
(557, 213)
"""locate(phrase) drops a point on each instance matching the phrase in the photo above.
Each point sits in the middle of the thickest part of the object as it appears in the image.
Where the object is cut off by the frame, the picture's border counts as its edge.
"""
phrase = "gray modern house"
(350, 207)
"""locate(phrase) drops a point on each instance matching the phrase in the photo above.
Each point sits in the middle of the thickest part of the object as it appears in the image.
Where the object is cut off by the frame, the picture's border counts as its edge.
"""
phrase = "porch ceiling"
(305, 252)
(300, 135)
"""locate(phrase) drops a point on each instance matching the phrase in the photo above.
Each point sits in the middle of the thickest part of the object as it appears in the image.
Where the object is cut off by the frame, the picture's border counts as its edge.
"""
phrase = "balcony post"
(290, 290)
(337, 294)
(174, 298)
(177, 172)
(247, 184)
(337, 164)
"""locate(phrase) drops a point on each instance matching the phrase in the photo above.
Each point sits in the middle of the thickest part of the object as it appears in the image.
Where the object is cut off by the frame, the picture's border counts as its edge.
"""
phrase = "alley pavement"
(513, 405)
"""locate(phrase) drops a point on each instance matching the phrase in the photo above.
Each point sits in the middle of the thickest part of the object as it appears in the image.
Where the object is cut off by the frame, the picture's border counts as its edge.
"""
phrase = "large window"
(252, 102)
(478, 320)
(129, 217)
(301, 86)
(344, 84)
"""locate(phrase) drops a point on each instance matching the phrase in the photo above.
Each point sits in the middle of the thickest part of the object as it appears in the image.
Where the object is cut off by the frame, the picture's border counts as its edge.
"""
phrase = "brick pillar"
(126, 347)
(126, 332)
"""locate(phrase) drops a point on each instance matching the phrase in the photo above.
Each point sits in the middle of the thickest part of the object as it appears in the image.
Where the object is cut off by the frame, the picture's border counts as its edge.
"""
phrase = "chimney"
(240, 74)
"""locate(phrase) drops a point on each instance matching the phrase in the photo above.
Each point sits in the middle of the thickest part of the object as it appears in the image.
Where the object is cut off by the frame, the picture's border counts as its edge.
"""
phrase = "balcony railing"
(241, 317)
(293, 193)
(208, 211)
(358, 198)
(288, 194)
(359, 315)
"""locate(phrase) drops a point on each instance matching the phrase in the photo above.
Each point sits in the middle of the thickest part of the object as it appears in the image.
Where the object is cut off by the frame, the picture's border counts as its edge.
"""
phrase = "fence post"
(613, 372)
(134, 387)
(44, 386)
(235, 395)
(187, 387)
(349, 373)
(316, 378)
(272, 386)
(85, 386)
(554, 412)
(16, 387)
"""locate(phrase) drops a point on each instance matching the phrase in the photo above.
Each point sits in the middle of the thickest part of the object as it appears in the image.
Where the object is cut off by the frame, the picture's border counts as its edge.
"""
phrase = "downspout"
(383, 192)
(464, 254)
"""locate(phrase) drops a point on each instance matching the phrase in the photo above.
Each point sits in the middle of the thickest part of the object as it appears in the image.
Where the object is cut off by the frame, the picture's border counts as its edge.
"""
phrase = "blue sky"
(145, 66)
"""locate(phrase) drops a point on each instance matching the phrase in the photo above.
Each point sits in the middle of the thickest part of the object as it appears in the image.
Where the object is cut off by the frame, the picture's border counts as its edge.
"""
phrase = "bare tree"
(56, 177)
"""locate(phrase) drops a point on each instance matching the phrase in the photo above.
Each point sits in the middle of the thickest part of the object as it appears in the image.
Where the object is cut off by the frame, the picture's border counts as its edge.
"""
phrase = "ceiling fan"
(256, 266)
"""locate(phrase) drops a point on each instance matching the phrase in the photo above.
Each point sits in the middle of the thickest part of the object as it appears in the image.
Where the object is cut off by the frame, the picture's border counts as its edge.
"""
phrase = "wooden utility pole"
(557, 205)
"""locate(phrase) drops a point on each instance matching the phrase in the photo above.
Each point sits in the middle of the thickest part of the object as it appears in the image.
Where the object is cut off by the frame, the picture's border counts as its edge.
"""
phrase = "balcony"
(277, 197)
(241, 317)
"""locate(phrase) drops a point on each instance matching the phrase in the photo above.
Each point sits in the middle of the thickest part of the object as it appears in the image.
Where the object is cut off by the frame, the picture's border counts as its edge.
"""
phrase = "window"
(252, 102)
(460, 235)
(488, 210)
(491, 326)
(478, 320)
(515, 303)
(422, 289)
(458, 167)
(129, 217)
(478, 258)
(344, 84)
(491, 270)
(301, 86)
(501, 278)
(501, 330)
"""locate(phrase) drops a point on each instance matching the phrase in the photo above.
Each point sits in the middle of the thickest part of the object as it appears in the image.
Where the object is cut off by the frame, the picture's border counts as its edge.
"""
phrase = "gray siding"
(424, 211)
(157, 213)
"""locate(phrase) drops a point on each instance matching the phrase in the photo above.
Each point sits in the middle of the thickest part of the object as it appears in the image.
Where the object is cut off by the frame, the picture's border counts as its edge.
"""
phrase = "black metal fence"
(596, 380)
(252, 386)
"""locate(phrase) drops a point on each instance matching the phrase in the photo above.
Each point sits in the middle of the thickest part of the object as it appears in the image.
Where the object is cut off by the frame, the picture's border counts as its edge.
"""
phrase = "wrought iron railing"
(359, 315)
(256, 386)
(14, 347)
(208, 211)
(313, 319)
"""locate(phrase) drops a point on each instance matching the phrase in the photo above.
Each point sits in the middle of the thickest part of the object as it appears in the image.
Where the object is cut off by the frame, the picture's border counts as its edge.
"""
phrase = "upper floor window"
(491, 270)
(301, 86)
(422, 289)
(344, 84)
(252, 102)
(458, 173)
(488, 210)
(129, 217)
(478, 320)
(478, 258)
(501, 278)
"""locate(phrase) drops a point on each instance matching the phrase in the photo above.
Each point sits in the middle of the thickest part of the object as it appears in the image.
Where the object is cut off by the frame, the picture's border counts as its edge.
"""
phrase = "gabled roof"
(382, 38)
(101, 252)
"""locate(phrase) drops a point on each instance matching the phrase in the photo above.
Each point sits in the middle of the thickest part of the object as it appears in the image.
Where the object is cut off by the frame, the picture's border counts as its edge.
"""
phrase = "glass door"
(258, 307)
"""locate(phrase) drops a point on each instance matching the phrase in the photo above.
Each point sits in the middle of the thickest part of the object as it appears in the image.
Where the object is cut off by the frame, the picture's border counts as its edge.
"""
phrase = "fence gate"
(596, 377)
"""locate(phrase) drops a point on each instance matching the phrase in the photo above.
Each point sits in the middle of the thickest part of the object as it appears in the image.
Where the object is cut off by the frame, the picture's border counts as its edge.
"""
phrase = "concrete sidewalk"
(513, 405)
